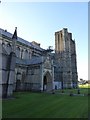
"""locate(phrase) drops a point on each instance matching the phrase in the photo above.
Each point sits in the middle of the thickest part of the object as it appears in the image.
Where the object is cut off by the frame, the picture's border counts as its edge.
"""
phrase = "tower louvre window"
(61, 35)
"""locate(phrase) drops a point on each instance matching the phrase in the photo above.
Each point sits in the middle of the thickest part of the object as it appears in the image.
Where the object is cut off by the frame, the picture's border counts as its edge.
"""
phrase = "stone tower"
(65, 54)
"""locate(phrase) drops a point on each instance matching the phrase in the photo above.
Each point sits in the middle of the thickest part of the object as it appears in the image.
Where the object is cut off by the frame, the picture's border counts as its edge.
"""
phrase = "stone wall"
(27, 78)
(23, 51)
(74, 64)
(33, 77)
(4, 72)
(20, 77)
(65, 55)
(7, 71)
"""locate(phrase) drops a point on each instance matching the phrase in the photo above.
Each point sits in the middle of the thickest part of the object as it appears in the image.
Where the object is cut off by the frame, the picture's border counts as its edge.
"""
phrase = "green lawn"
(45, 105)
(85, 86)
(83, 91)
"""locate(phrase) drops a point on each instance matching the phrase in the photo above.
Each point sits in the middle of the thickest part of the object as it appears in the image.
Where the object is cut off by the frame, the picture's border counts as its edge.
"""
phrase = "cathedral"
(28, 67)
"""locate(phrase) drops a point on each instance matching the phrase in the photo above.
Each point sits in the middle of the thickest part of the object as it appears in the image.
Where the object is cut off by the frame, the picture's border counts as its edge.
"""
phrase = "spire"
(14, 39)
(15, 34)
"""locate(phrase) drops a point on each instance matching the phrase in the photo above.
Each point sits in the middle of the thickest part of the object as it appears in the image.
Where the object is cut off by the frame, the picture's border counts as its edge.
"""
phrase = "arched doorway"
(47, 82)
(44, 83)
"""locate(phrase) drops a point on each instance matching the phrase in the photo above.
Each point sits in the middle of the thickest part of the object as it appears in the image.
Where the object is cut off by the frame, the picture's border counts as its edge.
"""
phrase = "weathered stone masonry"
(34, 68)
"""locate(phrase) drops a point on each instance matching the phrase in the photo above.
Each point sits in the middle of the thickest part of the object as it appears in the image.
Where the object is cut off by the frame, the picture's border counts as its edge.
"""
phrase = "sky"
(38, 21)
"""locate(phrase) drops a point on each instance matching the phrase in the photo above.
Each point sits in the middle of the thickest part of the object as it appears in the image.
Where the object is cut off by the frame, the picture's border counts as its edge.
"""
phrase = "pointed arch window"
(18, 51)
(8, 48)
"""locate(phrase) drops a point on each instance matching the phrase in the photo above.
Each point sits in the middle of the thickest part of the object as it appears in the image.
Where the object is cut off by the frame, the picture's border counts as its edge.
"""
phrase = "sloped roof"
(33, 61)
(5, 33)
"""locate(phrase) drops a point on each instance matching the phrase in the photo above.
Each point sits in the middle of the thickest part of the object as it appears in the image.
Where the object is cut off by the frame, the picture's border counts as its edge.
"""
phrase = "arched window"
(8, 48)
(3, 43)
(26, 54)
(30, 55)
(18, 52)
(22, 54)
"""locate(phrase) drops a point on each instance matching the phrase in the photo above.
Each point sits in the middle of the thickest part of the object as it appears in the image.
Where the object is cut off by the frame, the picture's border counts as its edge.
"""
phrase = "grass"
(83, 91)
(85, 86)
(45, 105)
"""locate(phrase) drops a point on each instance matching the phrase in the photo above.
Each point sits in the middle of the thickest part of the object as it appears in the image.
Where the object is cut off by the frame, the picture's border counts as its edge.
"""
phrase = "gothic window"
(8, 45)
(61, 35)
(26, 50)
(29, 55)
(8, 49)
(26, 54)
(23, 77)
(22, 54)
(18, 51)
(3, 43)
(33, 52)
(58, 41)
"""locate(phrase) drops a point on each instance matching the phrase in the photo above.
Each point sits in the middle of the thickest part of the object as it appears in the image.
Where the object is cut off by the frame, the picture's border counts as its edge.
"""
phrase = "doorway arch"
(47, 82)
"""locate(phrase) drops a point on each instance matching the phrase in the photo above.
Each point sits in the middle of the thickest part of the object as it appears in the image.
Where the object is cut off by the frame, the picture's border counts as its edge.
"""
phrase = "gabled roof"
(9, 35)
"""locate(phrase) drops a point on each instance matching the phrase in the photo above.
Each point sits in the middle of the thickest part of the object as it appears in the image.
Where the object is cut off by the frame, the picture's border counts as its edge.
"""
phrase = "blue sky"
(39, 21)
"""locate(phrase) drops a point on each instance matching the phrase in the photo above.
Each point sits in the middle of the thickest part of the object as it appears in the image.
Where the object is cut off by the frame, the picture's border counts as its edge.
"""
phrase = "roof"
(33, 61)
(8, 34)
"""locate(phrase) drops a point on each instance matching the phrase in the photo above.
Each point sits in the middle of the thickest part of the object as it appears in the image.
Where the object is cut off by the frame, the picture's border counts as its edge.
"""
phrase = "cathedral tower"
(66, 58)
